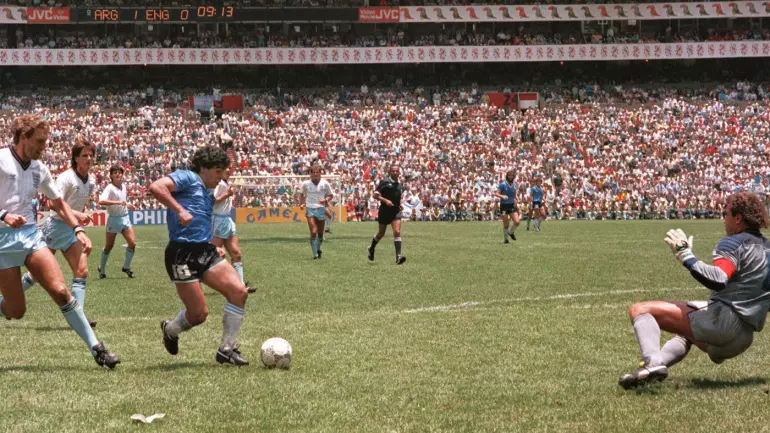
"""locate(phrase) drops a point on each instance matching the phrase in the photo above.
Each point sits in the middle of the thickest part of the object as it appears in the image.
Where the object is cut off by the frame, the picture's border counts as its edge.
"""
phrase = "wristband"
(3, 213)
(79, 229)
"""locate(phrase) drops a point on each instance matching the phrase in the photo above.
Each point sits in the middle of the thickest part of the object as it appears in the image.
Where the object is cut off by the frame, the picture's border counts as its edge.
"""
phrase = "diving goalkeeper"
(723, 326)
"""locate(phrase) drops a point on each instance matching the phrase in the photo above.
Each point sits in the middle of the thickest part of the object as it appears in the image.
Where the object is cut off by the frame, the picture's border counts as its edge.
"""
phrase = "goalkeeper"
(723, 326)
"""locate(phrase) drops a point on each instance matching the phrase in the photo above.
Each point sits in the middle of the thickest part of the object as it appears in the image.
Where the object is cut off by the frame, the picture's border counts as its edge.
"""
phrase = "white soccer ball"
(276, 352)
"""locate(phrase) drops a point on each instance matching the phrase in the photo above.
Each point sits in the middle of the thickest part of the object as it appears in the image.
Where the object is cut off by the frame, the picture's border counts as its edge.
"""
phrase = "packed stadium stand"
(624, 111)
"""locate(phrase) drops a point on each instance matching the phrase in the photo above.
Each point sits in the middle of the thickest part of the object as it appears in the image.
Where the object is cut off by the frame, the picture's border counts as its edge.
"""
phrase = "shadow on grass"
(178, 366)
(721, 384)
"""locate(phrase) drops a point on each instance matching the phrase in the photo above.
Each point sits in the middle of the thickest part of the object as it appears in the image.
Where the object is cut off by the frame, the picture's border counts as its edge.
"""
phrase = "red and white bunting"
(434, 54)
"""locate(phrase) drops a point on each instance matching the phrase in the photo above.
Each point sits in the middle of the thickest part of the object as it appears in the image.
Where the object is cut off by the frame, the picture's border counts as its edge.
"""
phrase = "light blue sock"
(79, 290)
(231, 324)
(73, 312)
(105, 256)
(320, 241)
(314, 246)
(129, 257)
(27, 282)
(239, 269)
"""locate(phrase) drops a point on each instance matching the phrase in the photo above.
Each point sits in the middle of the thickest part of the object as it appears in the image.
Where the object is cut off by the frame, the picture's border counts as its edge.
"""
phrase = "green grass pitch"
(470, 335)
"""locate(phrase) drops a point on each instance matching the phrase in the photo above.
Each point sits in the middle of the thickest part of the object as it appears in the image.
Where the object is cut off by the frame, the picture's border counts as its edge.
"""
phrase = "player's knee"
(638, 309)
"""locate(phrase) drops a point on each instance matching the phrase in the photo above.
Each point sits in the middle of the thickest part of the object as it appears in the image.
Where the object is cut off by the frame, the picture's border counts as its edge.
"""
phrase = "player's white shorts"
(318, 213)
(224, 227)
(116, 224)
(17, 244)
(58, 235)
(717, 325)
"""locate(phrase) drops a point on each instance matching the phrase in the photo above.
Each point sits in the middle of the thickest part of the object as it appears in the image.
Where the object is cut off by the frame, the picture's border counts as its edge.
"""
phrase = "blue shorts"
(58, 235)
(224, 227)
(318, 213)
(116, 224)
(17, 244)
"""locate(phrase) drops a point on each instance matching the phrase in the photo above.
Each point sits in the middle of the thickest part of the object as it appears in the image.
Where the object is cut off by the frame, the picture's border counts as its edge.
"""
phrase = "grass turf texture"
(469, 335)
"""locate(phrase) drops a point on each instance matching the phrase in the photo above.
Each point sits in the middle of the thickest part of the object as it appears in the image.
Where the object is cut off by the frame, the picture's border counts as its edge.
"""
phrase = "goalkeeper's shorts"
(717, 325)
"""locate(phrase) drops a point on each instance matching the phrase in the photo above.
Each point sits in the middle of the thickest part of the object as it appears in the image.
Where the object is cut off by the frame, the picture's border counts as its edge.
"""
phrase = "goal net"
(280, 191)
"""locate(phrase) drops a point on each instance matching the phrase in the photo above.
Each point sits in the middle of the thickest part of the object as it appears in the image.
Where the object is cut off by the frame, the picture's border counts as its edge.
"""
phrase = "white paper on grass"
(147, 420)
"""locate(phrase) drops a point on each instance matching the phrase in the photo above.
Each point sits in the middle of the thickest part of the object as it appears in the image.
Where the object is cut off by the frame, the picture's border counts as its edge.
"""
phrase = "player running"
(723, 326)
(77, 187)
(21, 242)
(114, 197)
(316, 194)
(388, 193)
(506, 191)
(224, 226)
(537, 209)
(191, 258)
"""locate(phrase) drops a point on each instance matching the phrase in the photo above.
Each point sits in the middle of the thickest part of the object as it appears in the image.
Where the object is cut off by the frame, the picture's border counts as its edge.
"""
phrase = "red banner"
(48, 15)
(379, 15)
(502, 99)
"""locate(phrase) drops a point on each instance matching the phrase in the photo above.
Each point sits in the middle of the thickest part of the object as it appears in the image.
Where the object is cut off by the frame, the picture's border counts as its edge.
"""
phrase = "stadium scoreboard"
(221, 14)
(192, 14)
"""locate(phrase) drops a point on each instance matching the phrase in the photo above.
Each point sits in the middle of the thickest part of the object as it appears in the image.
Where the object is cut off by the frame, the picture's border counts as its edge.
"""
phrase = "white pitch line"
(470, 304)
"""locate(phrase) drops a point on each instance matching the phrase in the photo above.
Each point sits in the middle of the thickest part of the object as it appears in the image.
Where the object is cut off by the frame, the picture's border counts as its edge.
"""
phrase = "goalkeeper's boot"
(400, 260)
(170, 343)
(370, 251)
(642, 375)
(104, 357)
(231, 356)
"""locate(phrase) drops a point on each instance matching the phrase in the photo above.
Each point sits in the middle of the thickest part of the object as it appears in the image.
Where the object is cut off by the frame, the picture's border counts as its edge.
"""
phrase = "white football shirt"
(315, 193)
(225, 206)
(19, 184)
(113, 193)
(75, 191)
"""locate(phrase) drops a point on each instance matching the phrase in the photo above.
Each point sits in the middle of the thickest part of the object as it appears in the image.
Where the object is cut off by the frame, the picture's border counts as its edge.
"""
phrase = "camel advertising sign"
(594, 12)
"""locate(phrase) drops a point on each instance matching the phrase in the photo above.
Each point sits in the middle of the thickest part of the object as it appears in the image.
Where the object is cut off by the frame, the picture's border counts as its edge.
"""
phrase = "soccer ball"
(276, 352)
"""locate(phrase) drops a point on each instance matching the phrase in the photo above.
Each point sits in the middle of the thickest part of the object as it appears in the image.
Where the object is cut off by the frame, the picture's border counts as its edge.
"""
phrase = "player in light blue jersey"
(723, 326)
(191, 258)
(537, 209)
(506, 191)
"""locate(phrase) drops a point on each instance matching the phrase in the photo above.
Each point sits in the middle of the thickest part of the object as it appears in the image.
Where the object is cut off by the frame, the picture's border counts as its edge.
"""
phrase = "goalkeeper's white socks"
(648, 335)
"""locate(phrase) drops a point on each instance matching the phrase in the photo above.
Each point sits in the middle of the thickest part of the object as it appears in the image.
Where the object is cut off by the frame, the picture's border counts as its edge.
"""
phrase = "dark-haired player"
(77, 186)
(506, 191)
(389, 193)
(191, 258)
(723, 326)
(114, 197)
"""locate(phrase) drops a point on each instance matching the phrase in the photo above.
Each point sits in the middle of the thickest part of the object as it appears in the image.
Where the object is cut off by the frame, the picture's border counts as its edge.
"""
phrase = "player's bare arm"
(162, 189)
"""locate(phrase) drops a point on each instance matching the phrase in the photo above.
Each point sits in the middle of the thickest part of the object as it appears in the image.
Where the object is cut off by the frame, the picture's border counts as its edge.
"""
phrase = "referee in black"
(389, 193)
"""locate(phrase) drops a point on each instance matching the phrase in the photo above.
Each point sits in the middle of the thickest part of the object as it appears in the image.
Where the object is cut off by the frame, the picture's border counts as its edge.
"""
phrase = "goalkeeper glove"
(680, 245)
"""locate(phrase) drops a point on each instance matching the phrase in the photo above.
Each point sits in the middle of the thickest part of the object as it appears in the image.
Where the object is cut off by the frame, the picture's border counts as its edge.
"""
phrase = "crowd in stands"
(600, 152)
(386, 36)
